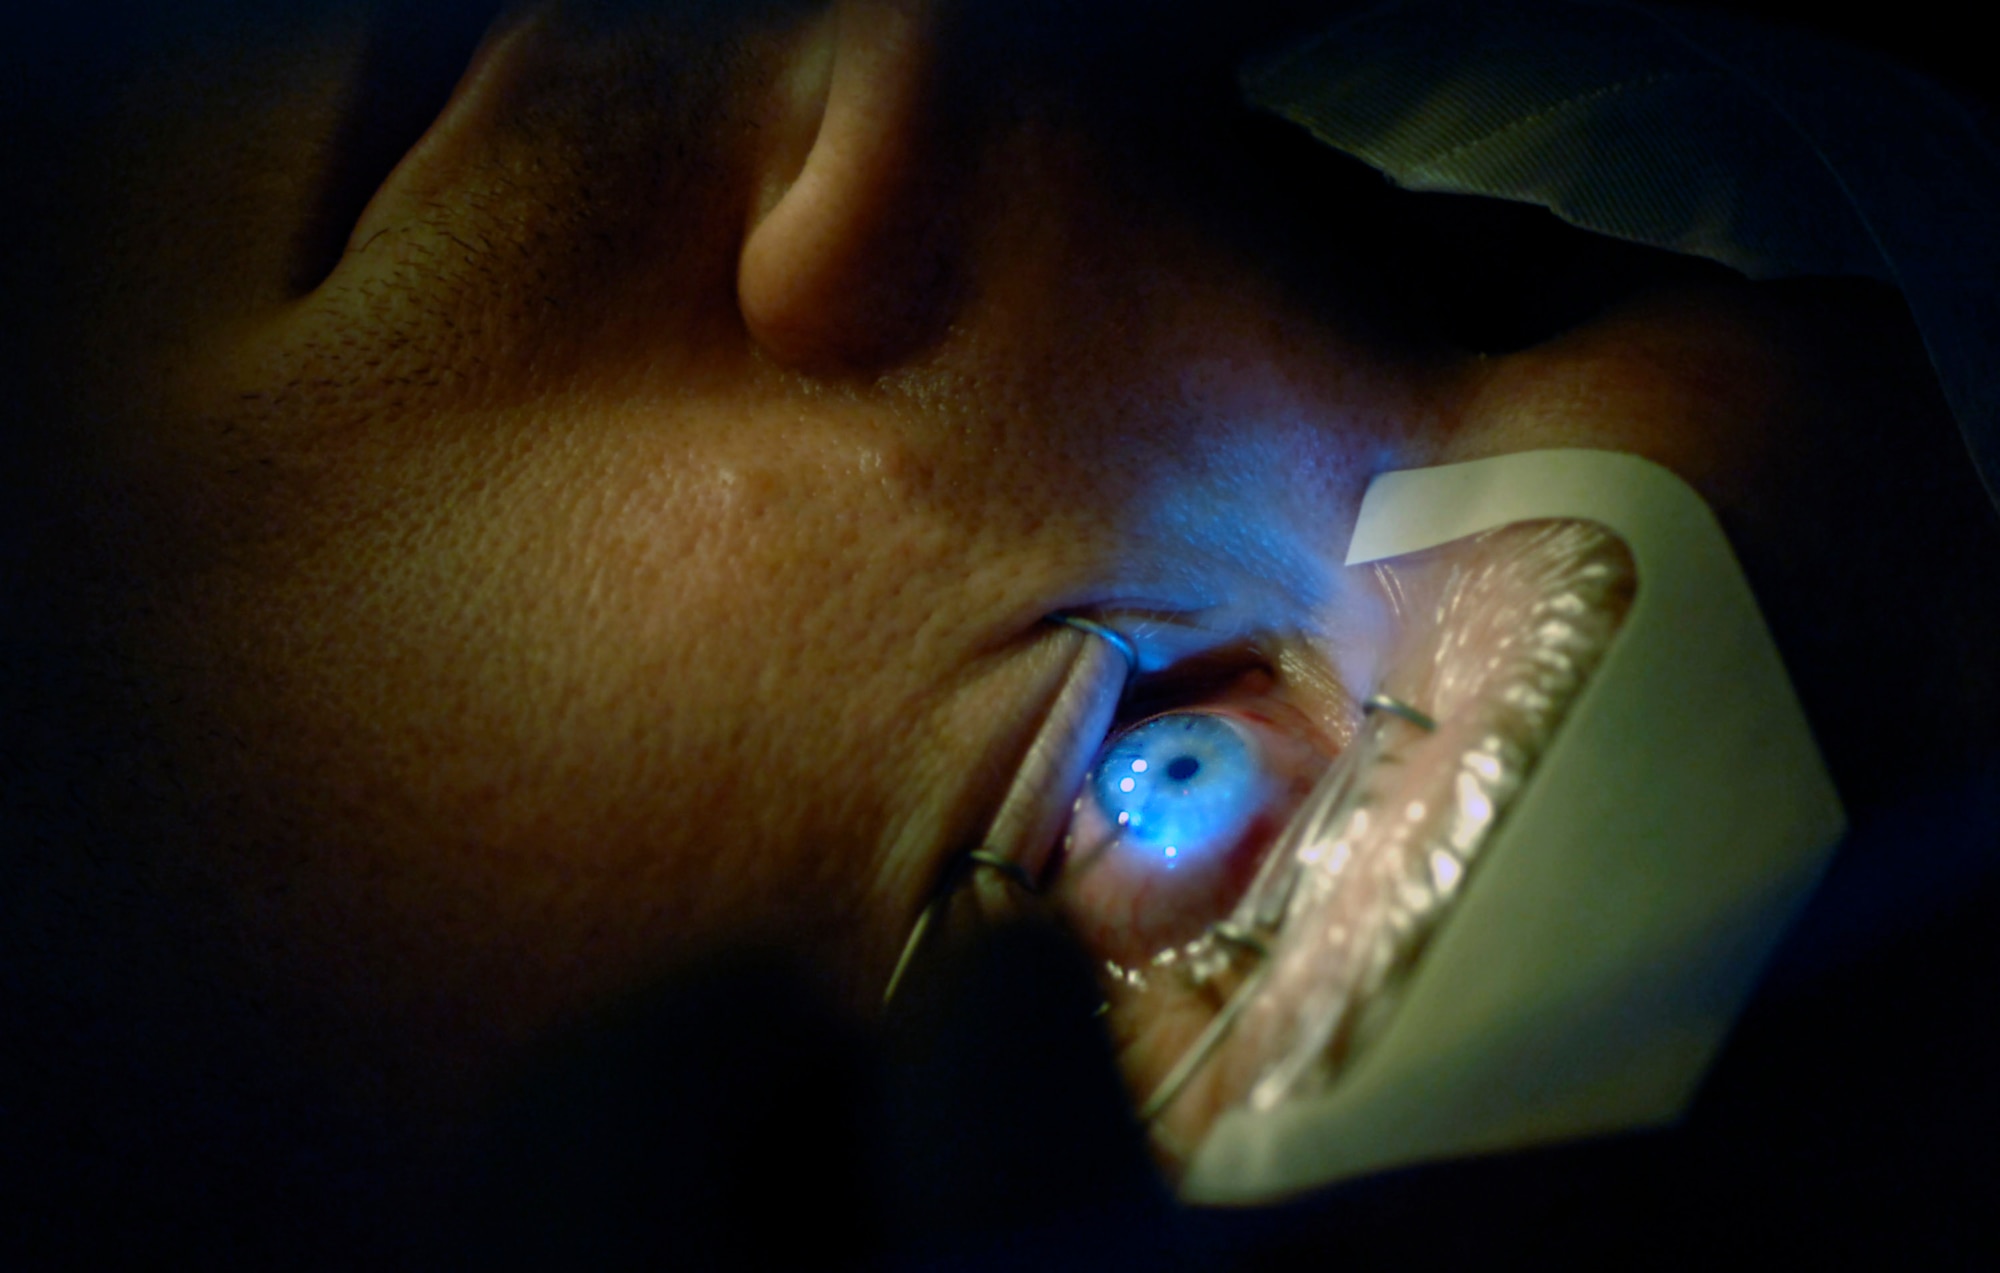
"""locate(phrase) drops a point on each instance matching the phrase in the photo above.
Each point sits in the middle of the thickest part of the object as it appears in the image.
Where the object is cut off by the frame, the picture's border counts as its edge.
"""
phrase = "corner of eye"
(1312, 679)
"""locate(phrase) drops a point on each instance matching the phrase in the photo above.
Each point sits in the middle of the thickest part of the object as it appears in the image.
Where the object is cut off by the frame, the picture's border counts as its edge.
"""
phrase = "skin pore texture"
(635, 545)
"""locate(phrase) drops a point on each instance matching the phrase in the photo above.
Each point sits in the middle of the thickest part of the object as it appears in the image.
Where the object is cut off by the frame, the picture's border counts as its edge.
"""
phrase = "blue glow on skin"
(1180, 786)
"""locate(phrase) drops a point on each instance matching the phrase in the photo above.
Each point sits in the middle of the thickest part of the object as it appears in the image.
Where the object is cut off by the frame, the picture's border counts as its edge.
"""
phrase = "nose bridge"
(852, 268)
(884, 159)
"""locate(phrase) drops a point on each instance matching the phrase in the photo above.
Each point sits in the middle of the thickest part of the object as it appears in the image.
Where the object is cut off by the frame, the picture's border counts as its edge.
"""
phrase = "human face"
(636, 543)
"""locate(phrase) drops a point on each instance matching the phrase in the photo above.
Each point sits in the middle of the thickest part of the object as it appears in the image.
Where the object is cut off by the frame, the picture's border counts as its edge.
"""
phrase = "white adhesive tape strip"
(1621, 916)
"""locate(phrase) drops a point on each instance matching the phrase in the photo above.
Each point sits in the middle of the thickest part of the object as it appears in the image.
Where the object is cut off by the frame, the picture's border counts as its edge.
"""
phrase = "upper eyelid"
(1292, 673)
(1260, 694)
(1193, 681)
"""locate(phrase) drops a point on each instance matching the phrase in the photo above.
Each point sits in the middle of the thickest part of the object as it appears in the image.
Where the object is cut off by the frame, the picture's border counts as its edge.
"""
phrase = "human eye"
(1173, 820)
(1178, 816)
(1256, 866)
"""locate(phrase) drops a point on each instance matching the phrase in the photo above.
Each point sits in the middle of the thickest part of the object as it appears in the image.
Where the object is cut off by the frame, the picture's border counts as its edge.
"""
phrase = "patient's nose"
(849, 268)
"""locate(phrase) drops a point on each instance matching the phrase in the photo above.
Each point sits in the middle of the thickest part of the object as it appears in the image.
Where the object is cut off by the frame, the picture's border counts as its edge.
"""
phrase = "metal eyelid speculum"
(1254, 924)
(1104, 660)
(1456, 913)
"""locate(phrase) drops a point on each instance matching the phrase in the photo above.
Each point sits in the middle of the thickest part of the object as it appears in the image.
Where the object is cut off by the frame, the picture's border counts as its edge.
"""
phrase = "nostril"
(414, 58)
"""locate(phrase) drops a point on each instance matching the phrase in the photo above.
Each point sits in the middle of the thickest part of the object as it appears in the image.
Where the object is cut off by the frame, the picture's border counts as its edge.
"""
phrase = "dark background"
(1854, 1116)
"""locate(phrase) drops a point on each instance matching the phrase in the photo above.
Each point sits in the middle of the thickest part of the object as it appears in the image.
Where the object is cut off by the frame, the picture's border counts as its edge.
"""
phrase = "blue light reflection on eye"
(1180, 785)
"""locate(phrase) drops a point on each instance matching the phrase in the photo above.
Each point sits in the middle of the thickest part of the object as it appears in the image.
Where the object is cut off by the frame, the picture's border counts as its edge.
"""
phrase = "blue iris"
(1179, 785)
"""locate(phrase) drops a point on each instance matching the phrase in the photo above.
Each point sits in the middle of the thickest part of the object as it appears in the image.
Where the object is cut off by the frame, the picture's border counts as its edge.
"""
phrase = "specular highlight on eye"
(1175, 817)
(1180, 786)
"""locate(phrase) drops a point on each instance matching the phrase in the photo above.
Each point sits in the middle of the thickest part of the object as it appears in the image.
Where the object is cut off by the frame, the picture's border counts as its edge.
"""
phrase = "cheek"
(496, 714)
